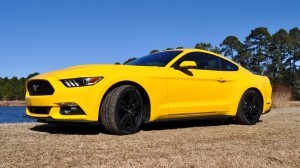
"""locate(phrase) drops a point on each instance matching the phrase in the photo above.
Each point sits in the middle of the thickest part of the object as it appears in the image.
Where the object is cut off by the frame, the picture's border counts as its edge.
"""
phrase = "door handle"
(221, 80)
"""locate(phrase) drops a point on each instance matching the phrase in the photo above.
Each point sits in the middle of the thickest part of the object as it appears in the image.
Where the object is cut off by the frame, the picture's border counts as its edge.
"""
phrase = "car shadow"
(160, 125)
(70, 129)
(178, 124)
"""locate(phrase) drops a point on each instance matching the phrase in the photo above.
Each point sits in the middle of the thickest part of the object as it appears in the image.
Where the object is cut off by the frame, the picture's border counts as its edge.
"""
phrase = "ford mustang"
(173, 84)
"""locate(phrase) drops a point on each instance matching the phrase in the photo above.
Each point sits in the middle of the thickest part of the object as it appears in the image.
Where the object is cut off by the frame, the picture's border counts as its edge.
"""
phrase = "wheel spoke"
(124, 120)
(246, 113)
(136, 109)
(132, 121)
(250, 116)
(249, 100)
(125, 104)
(255, 109)
(246, 106)
(131, 99)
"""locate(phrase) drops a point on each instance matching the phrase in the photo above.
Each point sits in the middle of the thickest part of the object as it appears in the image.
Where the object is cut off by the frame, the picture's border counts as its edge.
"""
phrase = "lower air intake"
(39, 110)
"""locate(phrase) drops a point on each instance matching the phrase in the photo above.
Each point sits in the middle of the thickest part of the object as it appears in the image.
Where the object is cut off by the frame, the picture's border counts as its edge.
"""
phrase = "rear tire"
(250, 108)
(122, 110)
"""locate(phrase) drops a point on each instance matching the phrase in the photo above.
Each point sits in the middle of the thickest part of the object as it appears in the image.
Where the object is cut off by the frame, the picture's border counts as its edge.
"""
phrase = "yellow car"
(165, 85)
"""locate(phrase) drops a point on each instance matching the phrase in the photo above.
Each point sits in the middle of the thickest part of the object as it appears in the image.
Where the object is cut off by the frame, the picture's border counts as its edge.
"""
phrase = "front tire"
(122, 110)
(250, 108)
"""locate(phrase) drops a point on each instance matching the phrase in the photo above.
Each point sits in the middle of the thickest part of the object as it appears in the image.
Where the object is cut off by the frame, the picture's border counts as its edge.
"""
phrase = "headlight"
(77, 82)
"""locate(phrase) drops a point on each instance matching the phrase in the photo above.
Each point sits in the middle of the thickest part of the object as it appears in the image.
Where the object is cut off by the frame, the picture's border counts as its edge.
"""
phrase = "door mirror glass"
(187, 65)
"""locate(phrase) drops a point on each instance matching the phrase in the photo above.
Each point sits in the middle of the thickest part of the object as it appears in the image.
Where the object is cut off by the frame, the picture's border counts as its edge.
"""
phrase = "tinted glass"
(203, 61)
(160, 59)
(228, 66)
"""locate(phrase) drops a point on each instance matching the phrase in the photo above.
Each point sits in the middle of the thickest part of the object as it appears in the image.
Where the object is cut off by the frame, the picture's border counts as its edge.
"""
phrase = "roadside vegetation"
(274, 55)
(281, 96)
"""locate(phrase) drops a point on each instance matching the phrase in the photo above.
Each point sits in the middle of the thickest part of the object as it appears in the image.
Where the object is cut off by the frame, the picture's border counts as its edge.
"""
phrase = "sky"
(45, 35)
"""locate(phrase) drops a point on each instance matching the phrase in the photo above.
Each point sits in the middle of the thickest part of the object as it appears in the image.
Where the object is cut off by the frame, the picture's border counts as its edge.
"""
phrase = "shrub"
(281, 96)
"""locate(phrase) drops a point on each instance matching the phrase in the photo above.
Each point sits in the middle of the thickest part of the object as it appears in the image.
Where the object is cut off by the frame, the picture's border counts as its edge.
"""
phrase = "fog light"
(70, 108)
(65, 111)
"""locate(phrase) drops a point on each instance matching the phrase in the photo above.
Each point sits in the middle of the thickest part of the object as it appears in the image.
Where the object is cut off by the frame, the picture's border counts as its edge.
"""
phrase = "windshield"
(160, 59)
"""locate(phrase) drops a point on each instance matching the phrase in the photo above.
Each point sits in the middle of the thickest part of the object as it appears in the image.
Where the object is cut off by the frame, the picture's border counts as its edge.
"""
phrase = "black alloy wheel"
(130, 111)
(250, 108)
(122, 110)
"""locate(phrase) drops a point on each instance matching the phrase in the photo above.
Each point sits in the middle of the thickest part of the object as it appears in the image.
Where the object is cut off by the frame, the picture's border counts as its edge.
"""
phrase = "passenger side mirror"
(187, 65)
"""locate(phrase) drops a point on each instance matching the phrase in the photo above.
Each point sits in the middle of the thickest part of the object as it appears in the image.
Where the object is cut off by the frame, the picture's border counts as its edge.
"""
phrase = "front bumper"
(87, 98)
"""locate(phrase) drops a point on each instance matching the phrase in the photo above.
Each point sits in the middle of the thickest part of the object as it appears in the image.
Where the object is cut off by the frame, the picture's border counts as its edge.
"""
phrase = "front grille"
(39, 87)
(39, 110)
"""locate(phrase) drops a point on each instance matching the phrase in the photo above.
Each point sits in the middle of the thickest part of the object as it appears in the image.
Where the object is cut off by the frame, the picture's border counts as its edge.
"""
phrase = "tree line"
(274, 55)
(13, 88)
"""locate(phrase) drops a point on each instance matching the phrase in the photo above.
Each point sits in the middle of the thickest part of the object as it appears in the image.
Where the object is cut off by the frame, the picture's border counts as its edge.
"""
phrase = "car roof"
(195, 50)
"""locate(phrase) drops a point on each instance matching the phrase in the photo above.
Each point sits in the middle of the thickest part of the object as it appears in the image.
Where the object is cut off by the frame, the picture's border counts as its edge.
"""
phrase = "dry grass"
(281, 96)
(273, 142)
(12, 103)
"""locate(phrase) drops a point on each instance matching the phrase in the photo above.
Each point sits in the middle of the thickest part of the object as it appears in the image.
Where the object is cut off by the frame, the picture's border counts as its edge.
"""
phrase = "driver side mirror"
(187, 65)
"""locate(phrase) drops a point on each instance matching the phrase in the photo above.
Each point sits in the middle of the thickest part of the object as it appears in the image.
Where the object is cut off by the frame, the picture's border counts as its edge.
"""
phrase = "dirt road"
(273, 142)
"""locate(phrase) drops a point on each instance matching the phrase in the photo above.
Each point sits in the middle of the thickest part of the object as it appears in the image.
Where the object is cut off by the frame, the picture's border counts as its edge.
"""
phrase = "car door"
(232, 84)
(199, 90)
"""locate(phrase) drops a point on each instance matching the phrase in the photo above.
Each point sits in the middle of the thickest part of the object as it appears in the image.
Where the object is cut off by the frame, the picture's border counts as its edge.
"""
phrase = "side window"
(228, 66)
(204, 61)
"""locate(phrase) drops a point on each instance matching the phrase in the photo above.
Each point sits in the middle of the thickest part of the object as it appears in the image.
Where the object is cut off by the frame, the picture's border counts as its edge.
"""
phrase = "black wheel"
(122, 110)
(250, 108)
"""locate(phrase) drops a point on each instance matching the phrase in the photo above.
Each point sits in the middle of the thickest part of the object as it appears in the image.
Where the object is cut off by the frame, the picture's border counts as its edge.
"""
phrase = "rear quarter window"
(228, 66)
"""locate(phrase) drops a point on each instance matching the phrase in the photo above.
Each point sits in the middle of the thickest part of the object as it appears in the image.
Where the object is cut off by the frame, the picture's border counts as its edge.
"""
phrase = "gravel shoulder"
(273, 142)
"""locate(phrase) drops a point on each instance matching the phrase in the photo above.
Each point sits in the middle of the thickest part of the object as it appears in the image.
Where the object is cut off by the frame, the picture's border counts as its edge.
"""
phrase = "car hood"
(95, 70)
